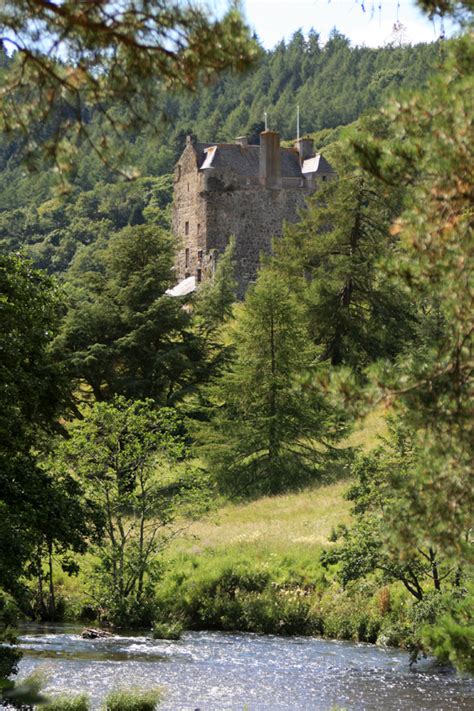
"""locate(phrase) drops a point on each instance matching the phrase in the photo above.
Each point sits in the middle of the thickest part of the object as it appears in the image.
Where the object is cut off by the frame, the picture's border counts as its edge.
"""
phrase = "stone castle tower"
(243, 190)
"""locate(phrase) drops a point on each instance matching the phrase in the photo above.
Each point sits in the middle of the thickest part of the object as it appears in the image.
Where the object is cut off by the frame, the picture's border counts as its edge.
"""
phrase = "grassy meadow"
(255, 566)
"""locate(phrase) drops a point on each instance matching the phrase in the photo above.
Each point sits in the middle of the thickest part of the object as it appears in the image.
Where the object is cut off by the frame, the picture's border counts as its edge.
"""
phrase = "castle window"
(199, 275)
(325, 177)
(186, 228)
(200, 254)
(199, 228)
(186, 257)
(188, 187)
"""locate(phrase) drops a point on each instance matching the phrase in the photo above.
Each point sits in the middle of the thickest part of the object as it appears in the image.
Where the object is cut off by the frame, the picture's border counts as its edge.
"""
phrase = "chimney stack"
(270, 168)
(305, 147)
(242, 141)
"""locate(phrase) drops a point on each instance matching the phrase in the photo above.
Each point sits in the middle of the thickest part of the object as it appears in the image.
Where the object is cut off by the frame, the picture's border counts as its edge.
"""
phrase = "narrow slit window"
(186, 257)
(186, 228)
(199, 275)
(200, 255)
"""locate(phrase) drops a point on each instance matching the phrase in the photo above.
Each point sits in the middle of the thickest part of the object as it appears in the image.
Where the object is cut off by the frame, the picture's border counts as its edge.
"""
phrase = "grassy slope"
(277, 524)
(295, 524)
(283, 534)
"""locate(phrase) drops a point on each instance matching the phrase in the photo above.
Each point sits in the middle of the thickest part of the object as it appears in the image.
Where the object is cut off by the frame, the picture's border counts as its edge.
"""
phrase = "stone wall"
(189, 216)
(254, 214)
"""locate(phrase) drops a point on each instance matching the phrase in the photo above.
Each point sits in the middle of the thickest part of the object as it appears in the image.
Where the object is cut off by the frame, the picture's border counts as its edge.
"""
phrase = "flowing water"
(215, 671)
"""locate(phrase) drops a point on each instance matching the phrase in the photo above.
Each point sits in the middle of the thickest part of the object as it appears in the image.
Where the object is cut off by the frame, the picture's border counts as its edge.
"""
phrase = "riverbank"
(255, 567)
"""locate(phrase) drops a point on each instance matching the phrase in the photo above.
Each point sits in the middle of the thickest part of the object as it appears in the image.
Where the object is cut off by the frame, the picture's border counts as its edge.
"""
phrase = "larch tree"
(331, 256)
(267, 430)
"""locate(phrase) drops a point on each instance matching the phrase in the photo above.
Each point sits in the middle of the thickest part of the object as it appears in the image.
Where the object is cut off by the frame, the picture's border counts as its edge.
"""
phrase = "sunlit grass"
(286, 531)
(276, 523)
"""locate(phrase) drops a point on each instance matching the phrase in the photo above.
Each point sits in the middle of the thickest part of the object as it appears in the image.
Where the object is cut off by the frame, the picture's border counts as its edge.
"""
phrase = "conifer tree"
(432, 151)
(215, 298)
(331, 256)
(122, 333)
(267, 430)
(432, 384)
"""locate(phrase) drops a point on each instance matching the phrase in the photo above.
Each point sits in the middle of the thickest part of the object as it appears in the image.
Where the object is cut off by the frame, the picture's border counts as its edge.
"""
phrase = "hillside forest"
(130, 420)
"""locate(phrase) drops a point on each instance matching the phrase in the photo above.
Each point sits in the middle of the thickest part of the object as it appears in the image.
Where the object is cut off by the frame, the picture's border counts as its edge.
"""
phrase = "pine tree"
(331, 256)
(267, 429)
(432, 384)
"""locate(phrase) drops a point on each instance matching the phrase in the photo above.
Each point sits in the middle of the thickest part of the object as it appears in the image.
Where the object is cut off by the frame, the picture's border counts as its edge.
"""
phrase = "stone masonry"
(243, 190)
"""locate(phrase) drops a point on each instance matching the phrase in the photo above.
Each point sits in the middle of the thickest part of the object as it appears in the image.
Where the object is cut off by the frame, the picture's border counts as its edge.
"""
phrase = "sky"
(274, 20)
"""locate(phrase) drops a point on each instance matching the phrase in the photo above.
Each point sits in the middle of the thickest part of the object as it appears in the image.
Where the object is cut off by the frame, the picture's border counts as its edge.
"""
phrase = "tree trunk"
(434, 569)
(41, 605)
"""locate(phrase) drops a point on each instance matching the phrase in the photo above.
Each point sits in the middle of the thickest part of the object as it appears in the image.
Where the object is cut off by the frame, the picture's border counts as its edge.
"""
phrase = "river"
(215, 671)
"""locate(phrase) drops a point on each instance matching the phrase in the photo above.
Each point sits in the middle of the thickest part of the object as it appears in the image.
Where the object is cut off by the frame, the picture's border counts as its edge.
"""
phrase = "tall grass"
(69, 702)
(132, 700)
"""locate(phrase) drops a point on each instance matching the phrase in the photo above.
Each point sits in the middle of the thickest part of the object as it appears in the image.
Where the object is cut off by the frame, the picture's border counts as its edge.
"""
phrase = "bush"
(132, 700)
(353, 614)
(167, 630)
(66, 702)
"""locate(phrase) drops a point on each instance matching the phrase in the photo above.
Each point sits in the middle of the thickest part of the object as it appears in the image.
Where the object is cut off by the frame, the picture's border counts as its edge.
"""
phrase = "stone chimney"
(270, 168)
(305, 147)
(242, 141)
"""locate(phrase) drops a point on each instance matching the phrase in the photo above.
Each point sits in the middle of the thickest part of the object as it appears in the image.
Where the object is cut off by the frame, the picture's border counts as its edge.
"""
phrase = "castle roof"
(244, 160)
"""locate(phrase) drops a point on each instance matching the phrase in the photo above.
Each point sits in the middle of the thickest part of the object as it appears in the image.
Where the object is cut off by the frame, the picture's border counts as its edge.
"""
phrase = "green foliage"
(124, 452)
(114, 66)
(32, 395)
(331, 259)
(267, 430)
(432, 151)
(366, 545)
(215, 298)
(69, 702)
(66, 523)
(133, 700)
(167, 630)
(122, 333)
(53, 229)
(235, 598)
(451, 638)
(26, 693)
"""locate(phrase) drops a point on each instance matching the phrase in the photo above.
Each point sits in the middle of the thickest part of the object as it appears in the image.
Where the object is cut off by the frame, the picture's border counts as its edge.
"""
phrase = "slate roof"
(244, 160)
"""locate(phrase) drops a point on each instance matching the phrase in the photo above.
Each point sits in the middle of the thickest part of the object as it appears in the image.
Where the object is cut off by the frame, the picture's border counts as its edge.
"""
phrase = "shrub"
(66, 702)
(167, 630)
(132, 700)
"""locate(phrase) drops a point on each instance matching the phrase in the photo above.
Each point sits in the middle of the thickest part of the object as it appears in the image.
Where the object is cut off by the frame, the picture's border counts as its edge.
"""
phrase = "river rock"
(93, 633)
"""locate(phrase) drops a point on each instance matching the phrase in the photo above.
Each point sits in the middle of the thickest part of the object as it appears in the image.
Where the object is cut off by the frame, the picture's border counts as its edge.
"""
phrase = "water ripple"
(213, 671)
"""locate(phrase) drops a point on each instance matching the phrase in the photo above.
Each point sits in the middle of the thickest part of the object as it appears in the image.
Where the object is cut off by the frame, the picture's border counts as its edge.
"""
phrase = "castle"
(238, 189)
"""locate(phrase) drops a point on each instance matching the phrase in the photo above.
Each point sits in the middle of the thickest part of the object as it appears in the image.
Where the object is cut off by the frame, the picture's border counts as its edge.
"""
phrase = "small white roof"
(185, 287)
(210, 153)
(311, 165)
